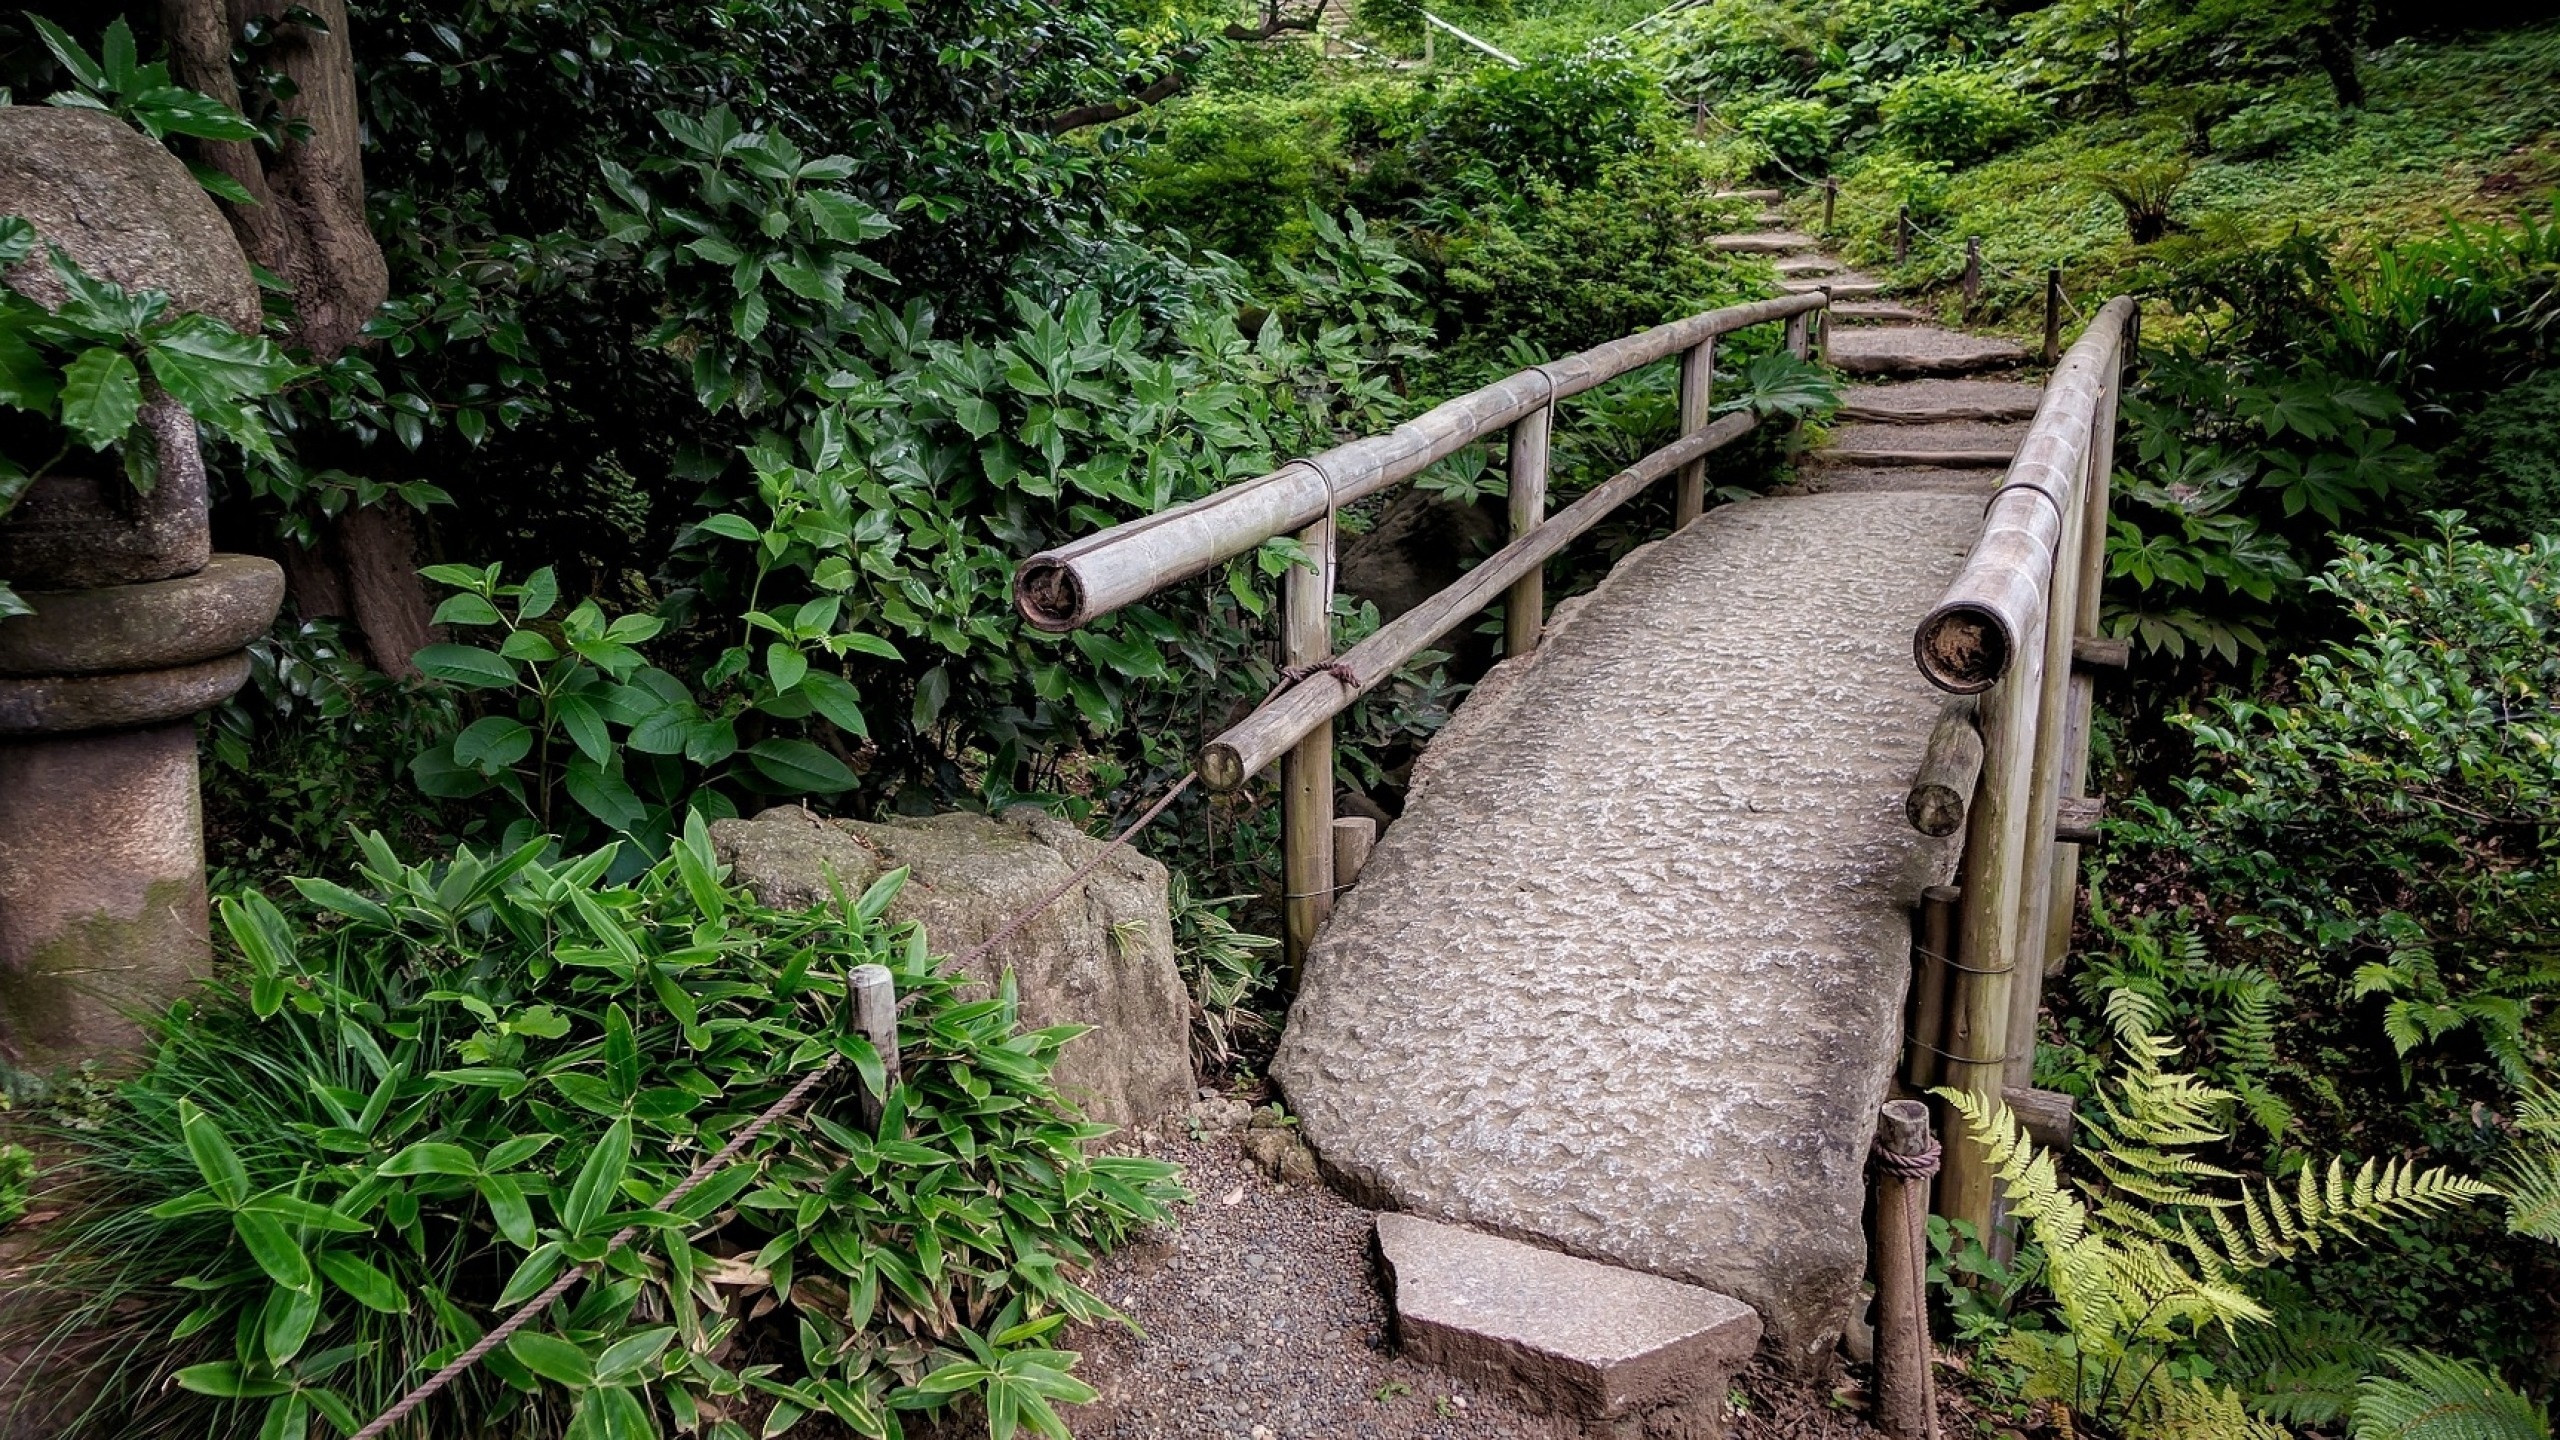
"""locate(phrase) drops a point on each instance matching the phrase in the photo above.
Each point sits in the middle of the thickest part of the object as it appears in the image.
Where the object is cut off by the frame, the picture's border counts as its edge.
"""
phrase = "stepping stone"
(1770, 196)
(1793, 265)
(1884, 479)
(1620, 1351)
(1920, 402)
(1963, 443)
(1772, 242)
(1774, 217)
(1877, 312)
(1848, 285)
(1919, 350)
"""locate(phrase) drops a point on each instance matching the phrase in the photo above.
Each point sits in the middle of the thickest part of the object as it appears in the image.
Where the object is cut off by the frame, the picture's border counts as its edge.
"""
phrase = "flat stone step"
(1774, 217)
(1919, 350)
(1922, 402)
(1891, 479)
(1880, 312)
(1849, 285)
(1794, 265)
(1763, 242)
(1593, 1343)
(1955, 443)
(1770, 196)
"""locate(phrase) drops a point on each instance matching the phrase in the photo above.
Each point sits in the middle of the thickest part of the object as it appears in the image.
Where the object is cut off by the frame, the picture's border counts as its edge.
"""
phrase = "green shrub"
(1798, 133)
(2513, 448)
(1959, 116)
(1562, 120)
(1890, 38)
(1731, 48)
(422, 1099)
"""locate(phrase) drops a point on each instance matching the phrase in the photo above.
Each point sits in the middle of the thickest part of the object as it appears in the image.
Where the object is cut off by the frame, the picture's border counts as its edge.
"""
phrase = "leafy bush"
(1959, 116)
(1726, 49)
(421, 1101)
(1798, 133)
(1562, 120)
(1891, 38)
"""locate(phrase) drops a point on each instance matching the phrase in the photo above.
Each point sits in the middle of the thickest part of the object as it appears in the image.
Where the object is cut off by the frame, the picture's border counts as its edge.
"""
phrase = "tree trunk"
(308, 226)
(2335, 43)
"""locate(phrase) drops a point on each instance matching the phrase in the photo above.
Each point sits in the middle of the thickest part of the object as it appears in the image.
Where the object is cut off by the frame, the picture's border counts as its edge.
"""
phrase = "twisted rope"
(1917, 1166)
(791, 1101)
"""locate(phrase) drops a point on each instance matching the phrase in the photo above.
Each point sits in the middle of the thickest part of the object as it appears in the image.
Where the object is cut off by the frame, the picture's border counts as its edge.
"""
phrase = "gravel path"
(1263, 1322)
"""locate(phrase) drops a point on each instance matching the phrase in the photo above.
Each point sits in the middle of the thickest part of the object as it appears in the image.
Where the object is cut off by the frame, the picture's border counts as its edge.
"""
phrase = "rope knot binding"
(1918, 1166)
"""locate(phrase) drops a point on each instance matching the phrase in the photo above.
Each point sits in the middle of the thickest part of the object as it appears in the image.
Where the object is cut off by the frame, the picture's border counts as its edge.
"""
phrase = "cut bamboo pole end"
(1949, 768)
(875, 1015)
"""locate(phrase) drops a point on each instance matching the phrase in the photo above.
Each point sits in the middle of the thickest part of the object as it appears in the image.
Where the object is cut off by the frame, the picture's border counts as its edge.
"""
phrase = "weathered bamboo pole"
(1950, 764)
(1933, 947)
(2052, 314)
(2085, 641)
(1697, 394)
(2044, 803)
(1254, 742)
(1306, 780)
(875, 1014)
(1989, 936)
(1974, 634)
(1085, 579)
(1524, 606)
(1906, 1392)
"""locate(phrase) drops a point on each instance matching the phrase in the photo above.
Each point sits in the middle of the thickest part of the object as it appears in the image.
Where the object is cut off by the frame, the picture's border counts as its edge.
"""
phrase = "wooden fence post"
(875, 1014)
(1697, 393)
(2044, 804)
(1354, 836)
(1830, 199)
(1972, 272)
(1906, 1392)
(1933, 952)
(1306, 772)
(2052, 314)
(1902, 235)
(1800, 335)
(1524, 607)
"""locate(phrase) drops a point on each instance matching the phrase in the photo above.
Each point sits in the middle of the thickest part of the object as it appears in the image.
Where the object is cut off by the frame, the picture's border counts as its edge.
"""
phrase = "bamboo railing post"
(1934, 945)
(1697, 392)
(1906, 1392)
(1524, 606)
(1902, 235)
(875, 1014)
(1800, 336)
(2044, 803)
(2092, 564)
(1830, 200)
(1972, 273)
(2052, 314)
(1306, 775)
(1354, 836)
(1989, 935)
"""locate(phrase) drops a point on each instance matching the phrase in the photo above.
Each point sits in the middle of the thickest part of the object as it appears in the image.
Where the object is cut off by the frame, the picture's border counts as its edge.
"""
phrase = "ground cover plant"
(424, 1095)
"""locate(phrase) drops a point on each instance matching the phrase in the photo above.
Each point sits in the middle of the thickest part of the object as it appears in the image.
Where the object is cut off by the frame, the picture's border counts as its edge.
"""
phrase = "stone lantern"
(137, 629)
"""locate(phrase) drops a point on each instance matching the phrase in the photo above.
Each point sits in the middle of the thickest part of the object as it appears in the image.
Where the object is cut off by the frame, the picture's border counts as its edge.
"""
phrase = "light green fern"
(2151, 1254)
(2531, 1175)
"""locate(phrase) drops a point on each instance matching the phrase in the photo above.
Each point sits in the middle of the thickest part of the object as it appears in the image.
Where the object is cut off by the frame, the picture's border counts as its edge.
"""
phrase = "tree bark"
(2335, 44)
(307, 224)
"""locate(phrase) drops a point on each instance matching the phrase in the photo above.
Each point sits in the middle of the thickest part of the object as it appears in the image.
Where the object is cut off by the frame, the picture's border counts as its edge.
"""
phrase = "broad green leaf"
(626, 1356)
(101, 396)
(784, 665)
(465, 665)
(215, 1160)
(598, 1180)
(834, 697)
(27, 379)
(273, 1249)
(508, 1208)
(364, 1283)
(492, 743)
(798, 766)
(222, 1379)
(466, 609)
(431, 1157)
(205, 364)
(552, 1358)
(621, 1052)
(286, 1323)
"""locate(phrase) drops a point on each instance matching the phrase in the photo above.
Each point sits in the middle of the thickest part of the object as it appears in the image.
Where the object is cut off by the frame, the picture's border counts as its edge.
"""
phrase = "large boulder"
(123, 208)
(1101, 955)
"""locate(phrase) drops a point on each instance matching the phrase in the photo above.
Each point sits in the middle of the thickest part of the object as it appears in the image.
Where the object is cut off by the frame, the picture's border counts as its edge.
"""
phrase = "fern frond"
(2332, 1203)
(2440, 1399)
(2196, 1411)
(2530, 1178)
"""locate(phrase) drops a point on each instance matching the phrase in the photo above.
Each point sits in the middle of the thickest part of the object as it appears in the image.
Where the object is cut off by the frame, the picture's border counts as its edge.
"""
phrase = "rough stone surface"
(1627, 976)
(122, 207)
(74, 531)
(65, 705)
(1849, 285)
(195, 617)
(1879, 312)
(1102, 955)
(102, 900)
(1592, 1342)
(1800, 265)
(1817, 478)
(1916, 402)
(1964, 443)
(1919, 350)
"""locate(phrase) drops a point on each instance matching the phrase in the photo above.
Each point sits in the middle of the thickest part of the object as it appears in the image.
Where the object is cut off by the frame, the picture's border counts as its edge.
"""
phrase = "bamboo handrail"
(1079, 582)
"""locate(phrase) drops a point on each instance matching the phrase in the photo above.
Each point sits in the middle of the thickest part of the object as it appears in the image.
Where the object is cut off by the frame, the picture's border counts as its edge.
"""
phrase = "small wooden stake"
(1972, 272)
(1354, 836)
(1932, 948)
(1949, 768)
(1697, 394)
(1902, 235)
(1830, 199)
(875, 1014)
(1906, 1393)
(2048, 1116)
(2052, 314)
(1524, 605)
(1306, 775)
